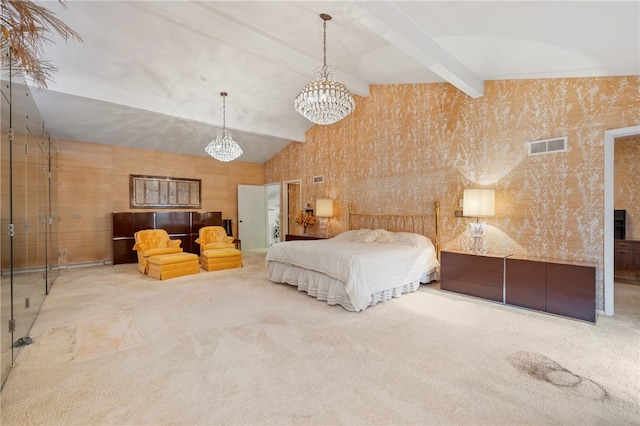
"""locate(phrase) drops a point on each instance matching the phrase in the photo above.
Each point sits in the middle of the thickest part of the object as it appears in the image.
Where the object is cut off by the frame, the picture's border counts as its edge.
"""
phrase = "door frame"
(609, 142)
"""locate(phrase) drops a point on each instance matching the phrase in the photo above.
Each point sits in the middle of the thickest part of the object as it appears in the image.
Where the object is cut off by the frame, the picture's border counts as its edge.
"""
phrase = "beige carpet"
(114, 347)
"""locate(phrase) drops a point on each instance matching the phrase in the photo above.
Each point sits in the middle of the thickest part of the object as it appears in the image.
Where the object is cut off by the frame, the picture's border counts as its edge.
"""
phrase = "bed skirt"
(328, 289)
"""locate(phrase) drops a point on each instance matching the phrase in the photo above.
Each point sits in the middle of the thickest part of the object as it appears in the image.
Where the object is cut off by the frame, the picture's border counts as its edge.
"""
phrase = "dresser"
(561, 289)
(295, 237)
(626, 257)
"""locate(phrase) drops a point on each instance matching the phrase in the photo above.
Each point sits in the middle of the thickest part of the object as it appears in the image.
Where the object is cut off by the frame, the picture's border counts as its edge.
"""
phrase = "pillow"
(411, 239)
(362, 235)
(346, 235)
(383, 236)
(369, 236)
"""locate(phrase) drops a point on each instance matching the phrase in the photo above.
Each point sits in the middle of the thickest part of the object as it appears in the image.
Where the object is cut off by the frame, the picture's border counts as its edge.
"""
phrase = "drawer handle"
(622, 251)
(622, 244)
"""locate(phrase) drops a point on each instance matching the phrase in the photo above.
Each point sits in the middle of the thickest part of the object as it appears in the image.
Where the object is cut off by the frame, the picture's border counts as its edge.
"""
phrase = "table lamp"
(324, 210)
(478, 203)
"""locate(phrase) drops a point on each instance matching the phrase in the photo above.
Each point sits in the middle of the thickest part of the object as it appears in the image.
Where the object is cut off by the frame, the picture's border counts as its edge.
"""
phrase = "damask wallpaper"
(627, 182)
(406, 146)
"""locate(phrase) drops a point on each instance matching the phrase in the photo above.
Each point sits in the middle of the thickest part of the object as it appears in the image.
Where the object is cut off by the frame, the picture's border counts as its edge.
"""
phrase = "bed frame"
(418, 224)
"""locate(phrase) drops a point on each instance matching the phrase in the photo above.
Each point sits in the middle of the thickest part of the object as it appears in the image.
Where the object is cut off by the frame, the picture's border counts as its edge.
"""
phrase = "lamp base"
(478, 245)
(323, 226)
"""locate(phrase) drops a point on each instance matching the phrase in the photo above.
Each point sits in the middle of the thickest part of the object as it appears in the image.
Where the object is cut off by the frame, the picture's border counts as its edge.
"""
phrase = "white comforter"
(364, 268)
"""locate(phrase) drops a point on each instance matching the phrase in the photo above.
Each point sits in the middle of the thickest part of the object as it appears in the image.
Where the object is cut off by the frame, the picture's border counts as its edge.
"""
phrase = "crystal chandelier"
(325, 101)
(223, 147)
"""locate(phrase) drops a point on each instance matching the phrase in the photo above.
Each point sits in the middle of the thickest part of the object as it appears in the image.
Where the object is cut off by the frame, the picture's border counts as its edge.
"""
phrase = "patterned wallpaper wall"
(406, 146)
(627, 182)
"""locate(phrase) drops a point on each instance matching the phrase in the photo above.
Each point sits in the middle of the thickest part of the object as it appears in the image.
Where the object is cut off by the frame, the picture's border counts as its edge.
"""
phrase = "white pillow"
(362, 235)
(383, 236)
(346, 235)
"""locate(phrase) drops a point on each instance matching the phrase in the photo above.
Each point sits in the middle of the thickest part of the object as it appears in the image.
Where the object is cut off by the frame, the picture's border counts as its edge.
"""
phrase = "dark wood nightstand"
(294, 237)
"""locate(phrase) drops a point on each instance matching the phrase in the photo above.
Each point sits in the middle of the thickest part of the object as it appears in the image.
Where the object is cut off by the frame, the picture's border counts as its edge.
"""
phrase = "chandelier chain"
(324, 43)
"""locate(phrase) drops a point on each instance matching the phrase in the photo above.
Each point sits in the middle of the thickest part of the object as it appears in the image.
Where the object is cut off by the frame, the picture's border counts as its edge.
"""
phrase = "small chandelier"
(223, 147)
(325, 101)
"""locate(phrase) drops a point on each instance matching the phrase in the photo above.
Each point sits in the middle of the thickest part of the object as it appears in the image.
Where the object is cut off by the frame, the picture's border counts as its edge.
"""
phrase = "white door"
(252, 216)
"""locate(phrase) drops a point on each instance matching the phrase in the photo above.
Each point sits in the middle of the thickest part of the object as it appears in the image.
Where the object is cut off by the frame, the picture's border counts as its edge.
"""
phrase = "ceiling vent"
(547, 146)
(318, 179)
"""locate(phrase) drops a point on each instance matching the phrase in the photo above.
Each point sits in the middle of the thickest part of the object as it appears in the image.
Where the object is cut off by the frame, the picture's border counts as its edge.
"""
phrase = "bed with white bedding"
(357, 268)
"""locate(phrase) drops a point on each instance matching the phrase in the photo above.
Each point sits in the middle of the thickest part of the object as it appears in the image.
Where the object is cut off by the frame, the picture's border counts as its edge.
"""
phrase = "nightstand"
(294, 237)
(473, 274)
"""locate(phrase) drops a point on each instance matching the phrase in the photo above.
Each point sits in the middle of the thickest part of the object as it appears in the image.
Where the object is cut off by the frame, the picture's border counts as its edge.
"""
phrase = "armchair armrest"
(174, 243)
(229, 239)
(141, 247)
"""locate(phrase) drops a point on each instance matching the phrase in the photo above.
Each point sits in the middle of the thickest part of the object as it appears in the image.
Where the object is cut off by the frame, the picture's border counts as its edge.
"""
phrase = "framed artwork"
(157, 192)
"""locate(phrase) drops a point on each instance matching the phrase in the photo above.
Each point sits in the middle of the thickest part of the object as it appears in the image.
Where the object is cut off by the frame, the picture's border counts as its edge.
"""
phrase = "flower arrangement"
(305, 219)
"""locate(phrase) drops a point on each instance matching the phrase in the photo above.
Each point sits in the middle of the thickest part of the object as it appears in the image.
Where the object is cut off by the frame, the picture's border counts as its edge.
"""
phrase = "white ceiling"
(149, 73)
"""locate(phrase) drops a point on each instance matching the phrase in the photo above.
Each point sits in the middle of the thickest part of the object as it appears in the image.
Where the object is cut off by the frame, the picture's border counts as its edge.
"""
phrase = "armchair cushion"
(214, 237)
(151, 242)
(210, 246)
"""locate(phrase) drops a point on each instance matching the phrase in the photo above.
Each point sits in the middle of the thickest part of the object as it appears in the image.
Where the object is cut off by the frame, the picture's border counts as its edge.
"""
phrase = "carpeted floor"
(113, 347)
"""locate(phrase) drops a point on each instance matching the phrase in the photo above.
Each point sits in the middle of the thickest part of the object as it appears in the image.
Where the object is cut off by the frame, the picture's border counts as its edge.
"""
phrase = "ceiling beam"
(389, 21)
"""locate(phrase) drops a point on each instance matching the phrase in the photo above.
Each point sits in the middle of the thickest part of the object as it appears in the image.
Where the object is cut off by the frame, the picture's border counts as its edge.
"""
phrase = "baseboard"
(87, 264)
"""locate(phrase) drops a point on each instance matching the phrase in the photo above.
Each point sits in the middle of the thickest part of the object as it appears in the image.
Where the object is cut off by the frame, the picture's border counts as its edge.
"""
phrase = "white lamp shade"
(324, 208)
(479, 202)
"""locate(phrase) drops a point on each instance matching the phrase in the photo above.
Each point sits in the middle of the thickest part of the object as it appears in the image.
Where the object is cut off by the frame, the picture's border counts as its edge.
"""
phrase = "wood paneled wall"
(93, 182)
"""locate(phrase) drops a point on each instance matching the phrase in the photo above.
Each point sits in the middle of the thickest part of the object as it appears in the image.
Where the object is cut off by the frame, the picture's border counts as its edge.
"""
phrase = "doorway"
(609, 143)
(273, 213)
(291, 204)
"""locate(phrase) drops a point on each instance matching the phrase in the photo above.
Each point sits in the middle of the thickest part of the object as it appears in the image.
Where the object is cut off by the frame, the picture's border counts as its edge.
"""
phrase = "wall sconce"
(478, 203)
(324, 210)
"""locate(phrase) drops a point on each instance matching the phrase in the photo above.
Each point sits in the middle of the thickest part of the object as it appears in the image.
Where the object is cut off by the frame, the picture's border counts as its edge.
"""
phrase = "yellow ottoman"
(165, 266)
(218, 259)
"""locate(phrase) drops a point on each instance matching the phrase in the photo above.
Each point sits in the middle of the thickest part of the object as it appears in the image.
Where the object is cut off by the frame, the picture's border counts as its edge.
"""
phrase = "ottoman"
(165, 266)
(218, 259)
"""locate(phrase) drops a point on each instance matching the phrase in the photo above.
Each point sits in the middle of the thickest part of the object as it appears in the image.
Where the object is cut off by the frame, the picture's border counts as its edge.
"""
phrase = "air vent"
(547, 146)
(318, 179)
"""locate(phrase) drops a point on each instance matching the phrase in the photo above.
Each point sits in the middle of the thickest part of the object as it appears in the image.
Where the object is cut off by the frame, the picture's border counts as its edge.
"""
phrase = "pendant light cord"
(224, 110)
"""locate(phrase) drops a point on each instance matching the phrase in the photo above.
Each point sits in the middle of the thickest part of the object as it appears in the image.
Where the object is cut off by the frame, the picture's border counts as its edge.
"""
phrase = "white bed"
(357, 268)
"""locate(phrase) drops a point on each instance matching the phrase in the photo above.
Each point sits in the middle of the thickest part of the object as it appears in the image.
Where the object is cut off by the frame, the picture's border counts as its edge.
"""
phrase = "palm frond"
(26, 27)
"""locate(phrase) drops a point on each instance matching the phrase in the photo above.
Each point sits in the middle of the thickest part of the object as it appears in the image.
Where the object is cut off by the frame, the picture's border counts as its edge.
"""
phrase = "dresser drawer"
(485, 263)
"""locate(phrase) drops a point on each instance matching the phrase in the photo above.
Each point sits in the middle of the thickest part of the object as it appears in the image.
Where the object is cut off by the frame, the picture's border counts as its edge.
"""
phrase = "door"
(252, 216)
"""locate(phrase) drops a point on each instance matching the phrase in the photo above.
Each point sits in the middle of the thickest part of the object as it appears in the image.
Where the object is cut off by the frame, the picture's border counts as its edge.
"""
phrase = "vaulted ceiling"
(149, 73)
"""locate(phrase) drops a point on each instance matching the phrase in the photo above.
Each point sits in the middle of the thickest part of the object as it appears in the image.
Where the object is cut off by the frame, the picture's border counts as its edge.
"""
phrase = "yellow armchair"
(150, 242)
(214, 237)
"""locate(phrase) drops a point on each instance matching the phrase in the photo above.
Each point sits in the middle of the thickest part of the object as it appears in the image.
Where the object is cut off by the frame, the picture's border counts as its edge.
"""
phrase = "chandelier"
(223, 147)
(324, 100)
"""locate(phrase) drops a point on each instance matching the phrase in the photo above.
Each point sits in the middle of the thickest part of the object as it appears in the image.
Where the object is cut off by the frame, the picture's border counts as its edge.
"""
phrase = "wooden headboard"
(424, 224)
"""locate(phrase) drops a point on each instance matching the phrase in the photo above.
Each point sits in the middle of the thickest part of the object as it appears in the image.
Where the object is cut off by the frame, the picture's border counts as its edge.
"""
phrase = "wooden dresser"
(561, 289)
(626, 257)
(294, 237)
